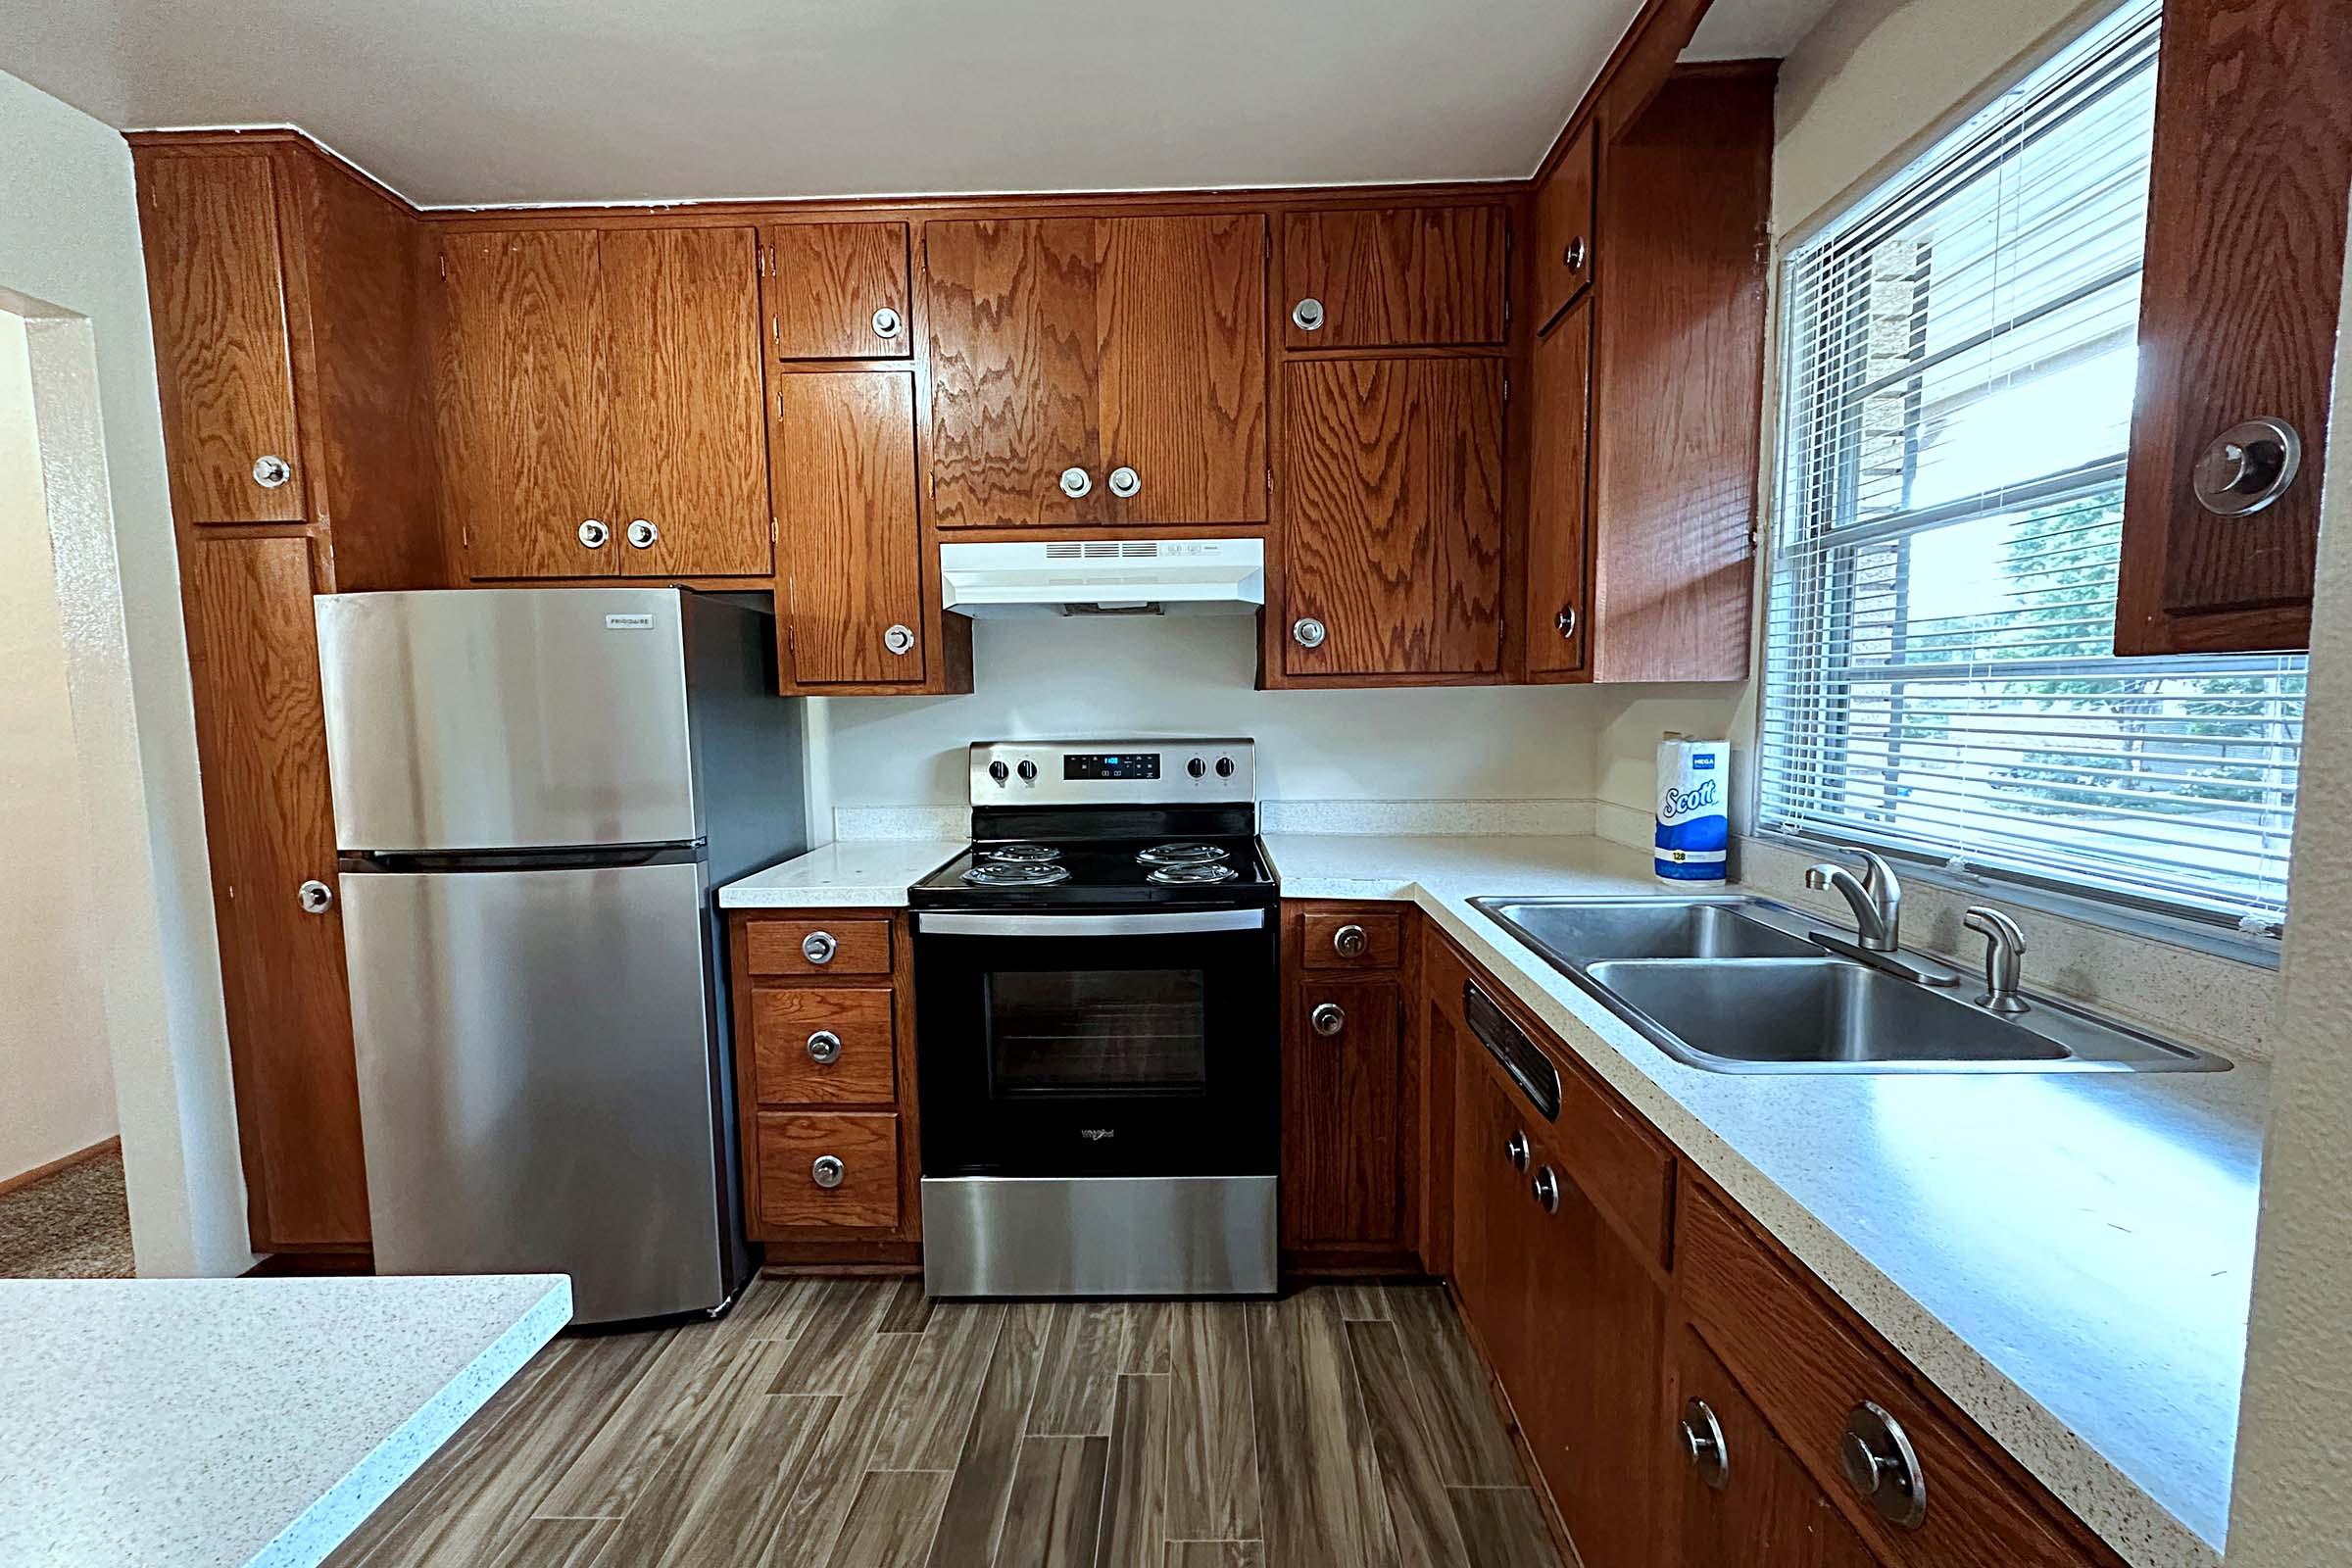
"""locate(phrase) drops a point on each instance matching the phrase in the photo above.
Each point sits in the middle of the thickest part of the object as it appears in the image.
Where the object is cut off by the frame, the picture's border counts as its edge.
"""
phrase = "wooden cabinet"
(837, 291)
(1065, 353)
(2237, 322)
(579, 370)
(1351, 1081)
(1395, 278)
(260, 731)
(850, 562)
(1392, 518)
(1559, 613)
(1740, 1496)
(1565, 249)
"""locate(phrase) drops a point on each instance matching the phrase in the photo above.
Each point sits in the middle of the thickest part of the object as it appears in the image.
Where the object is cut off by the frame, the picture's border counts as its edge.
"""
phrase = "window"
(1938, 677)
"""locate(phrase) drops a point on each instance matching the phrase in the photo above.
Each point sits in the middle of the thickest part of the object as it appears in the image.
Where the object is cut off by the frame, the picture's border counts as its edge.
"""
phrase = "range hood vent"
(1104, 577)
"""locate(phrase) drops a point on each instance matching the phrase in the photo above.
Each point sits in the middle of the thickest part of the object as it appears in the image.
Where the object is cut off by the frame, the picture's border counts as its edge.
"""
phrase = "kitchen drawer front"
(813, 1045)
(1808, 1371)
(795, 947)
(1377, 941)
(865, 1142)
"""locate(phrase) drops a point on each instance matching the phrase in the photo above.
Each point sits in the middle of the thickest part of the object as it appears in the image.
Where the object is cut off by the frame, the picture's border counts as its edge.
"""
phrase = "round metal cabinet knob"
(1308, 632)
(593, 534)
(1575, 256)
(1125, 481)
(1518, 1151)
(643, 535)
(1702, 1444)
(314, 897)
(1349, 942)
(1308, 315)
(1566, 622)
(1882, 1467)
(887, 322)
(1546, 1185)
(272, 471)
(2248, 466)
(819, 947)
(1076, 482)
(897, 639)
(827, 1170)
(824, 1048)
(1328, 1018)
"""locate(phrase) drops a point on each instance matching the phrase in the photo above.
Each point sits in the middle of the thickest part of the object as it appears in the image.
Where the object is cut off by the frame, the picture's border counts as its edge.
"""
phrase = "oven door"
(1141, 1043)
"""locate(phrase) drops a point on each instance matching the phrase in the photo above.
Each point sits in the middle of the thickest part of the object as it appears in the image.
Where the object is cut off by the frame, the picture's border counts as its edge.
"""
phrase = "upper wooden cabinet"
(1392, 518)
(1559, 619)
(600, 401)
(1565, 258)
(848, 566)
(2237, 322)
(1097, 371)
(1395, 278)
(837, 291)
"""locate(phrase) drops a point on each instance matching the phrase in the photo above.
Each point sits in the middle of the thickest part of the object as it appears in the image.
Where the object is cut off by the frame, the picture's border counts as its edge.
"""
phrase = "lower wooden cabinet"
(1349, 1086)
(827, 1169)
(1740, 1496)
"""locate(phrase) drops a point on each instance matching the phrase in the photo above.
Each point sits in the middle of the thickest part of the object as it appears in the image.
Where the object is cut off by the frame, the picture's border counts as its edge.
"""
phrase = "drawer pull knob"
(1349, 942)
(819, 947)
(1547, 1186)
(1882, 1467)
(1702, 1444)
(824, 1048)
(827, 1171)
(1328, 1018)
(1518, 1151)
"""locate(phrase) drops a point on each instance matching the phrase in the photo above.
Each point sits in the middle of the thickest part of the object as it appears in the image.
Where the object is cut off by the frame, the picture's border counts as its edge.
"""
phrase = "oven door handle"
(1172, 923)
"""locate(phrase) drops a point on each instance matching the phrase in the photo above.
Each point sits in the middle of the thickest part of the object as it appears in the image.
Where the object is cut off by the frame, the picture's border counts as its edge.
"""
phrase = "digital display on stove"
(1110, 764)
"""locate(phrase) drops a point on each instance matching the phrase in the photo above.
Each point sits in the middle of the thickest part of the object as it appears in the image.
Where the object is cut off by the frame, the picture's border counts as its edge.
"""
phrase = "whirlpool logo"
(1094, 1135)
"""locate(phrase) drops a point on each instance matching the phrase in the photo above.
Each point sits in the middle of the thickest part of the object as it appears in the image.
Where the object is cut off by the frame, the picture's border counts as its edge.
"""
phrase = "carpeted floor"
(74, 1225)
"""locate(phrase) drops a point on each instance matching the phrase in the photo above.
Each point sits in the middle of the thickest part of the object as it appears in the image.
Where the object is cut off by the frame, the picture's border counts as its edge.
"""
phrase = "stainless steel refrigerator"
(535, 793)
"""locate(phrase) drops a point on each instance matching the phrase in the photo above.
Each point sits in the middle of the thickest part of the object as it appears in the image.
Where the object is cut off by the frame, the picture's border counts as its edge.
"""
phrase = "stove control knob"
(1195, 768)
(999, 771)
(1224, 767)
(1028, 772)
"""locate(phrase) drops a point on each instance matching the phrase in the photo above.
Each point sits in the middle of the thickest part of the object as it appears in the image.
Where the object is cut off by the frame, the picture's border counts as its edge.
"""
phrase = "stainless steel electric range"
(1097, 1027)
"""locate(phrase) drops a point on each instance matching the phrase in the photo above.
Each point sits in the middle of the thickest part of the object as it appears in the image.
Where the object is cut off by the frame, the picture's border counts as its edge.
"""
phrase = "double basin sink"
(1737, 984)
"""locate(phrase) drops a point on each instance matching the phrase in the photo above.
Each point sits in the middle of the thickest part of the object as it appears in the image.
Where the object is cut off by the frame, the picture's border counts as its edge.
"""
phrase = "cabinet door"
(850, 569)
(209, 226)
(1396, 276)
(1558, 496)
(1393, 480)
(838, 291)
(1181, 325)
(1563, 262)
(1766, 1512)
(1013, 383)
(525, 403)
(2237, 320)
(1344, 1097)
(682, 313)
(261, 734)
(1490, 1218)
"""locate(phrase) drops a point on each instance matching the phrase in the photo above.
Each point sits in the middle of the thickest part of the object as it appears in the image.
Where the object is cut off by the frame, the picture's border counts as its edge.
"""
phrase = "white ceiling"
(463, 102)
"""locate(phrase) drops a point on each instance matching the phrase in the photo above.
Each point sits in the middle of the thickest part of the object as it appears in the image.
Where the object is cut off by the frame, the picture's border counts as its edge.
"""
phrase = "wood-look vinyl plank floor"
(850, 1423)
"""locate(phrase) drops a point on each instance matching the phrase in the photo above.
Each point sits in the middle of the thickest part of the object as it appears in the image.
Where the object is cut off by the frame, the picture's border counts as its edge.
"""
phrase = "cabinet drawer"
(792, 947)
(1808, 1371)
(1336, 941)
(865, 1142)
(812, 1045)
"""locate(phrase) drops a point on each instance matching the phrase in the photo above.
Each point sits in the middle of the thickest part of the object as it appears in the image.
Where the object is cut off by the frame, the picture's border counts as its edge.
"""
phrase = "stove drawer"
(813, 948)
(823, 1045)
(793, 1156)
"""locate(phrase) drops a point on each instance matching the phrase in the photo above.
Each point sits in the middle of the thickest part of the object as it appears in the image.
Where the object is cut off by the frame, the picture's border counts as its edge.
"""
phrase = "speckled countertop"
(2067, 1255)
(255, 1421)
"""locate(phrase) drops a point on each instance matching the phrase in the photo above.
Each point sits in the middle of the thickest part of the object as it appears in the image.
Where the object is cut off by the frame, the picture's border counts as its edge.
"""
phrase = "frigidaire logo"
(1094, 1135)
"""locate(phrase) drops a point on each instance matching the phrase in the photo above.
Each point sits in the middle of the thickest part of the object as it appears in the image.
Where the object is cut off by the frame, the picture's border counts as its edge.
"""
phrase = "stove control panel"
(1138, 773)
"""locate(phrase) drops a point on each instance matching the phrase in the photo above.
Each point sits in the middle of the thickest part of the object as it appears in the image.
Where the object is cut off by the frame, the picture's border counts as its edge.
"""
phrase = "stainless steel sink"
(1731, 984)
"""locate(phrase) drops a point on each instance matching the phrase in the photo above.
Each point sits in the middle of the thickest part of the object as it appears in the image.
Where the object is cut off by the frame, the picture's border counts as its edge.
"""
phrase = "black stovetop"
(1101, 872)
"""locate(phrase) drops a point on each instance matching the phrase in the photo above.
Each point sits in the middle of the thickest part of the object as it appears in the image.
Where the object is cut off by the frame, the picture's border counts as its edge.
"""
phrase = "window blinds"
(1957, 404)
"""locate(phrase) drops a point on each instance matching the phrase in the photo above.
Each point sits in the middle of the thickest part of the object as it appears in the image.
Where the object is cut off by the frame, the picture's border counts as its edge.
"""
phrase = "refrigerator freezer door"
(535, 1058)
(493, 719)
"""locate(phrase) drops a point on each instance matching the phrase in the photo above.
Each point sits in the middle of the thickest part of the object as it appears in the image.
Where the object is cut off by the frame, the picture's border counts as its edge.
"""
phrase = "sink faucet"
(1875, 895)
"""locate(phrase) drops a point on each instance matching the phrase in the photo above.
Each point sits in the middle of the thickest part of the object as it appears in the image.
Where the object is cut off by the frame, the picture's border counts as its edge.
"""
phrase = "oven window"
(1088, 1031)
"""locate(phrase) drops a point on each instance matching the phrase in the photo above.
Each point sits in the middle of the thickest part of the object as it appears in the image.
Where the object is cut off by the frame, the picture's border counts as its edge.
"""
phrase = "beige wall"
(70, 262)
(60, 1092)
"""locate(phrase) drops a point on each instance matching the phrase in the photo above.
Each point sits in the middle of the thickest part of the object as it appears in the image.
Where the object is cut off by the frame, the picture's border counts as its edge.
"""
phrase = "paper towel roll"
(1694, 824)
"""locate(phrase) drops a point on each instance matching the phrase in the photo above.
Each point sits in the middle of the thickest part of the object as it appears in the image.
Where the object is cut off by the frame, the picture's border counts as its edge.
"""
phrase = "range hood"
(1104, 577)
